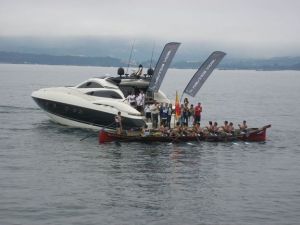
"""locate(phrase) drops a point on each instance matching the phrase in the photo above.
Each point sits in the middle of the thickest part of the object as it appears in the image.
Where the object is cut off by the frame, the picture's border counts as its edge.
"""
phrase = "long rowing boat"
(251, 134)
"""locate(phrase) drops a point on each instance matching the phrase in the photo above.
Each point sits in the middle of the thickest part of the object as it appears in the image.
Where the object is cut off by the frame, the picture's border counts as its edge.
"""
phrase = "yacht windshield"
(105, 94)
(90, 85)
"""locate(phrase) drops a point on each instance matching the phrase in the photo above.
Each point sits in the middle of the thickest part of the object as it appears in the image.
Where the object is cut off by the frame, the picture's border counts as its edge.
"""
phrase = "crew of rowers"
(182, 129)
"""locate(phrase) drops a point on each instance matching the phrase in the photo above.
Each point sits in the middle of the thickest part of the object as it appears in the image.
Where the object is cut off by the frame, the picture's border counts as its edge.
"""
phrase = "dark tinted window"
(126, 90)
(105, 94)
(90, 85)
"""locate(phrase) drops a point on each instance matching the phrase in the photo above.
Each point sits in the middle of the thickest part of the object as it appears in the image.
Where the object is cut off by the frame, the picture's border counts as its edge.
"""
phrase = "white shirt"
(140, 99)
(147, 109)
(154, 109)
(131, 98)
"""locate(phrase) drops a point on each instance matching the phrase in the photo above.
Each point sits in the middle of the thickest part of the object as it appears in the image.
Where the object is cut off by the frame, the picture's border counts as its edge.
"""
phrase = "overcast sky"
(266, 27)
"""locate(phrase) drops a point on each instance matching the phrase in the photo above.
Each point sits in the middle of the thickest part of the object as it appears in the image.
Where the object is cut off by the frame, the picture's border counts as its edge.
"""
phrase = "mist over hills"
(111, 51)
(116, 47)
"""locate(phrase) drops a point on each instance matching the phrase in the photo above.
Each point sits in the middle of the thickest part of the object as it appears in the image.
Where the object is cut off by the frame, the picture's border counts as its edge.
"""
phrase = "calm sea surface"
(49, 176)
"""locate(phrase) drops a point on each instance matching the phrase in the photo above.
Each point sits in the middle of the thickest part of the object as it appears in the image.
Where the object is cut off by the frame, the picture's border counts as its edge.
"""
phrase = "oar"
(198, 139)
(118, 143)
(94, 133)
(87, 137)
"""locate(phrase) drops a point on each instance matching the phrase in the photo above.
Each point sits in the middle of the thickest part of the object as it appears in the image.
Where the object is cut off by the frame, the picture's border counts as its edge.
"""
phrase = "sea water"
(49, 176)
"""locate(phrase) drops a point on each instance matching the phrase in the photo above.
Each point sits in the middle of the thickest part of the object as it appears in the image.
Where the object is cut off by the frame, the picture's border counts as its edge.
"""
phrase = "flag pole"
(177, 107)
(181, 96)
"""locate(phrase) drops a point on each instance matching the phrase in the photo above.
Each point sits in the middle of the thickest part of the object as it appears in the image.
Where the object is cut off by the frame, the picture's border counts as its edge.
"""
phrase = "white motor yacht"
(95, 103)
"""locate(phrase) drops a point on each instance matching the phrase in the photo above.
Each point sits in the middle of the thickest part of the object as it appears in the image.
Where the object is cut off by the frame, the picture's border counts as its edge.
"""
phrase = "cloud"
(252, 24)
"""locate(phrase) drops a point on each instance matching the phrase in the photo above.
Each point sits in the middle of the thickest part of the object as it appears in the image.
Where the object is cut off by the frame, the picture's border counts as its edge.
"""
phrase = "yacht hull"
(83, 117)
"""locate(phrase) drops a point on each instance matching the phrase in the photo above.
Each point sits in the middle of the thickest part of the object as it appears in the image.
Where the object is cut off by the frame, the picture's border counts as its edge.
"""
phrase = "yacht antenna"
(130, 57)
(152, 55)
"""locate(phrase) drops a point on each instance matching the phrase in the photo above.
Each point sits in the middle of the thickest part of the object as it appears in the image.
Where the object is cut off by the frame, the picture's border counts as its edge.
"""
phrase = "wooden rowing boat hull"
(253, 134)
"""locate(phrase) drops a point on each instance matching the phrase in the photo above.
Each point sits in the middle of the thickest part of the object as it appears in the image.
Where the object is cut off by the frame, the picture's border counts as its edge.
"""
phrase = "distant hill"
(27, 58)
(277, 63)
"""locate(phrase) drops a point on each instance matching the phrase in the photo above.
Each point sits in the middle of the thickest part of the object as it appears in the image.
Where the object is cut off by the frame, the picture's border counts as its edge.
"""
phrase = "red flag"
(177, 107)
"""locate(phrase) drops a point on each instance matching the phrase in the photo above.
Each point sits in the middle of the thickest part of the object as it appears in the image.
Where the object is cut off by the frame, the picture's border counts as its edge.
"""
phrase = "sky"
(263, 28)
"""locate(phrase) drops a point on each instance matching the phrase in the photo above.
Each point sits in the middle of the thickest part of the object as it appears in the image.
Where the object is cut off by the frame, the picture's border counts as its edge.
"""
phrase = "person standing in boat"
(186, 115)
(169, 113)
(161, 107)
(181, 119)
(186, 102)
(140, 101)
(191, 115)
(131, 99)
(164, 114)
(155, 112)
(197, 112)
(118, 121)
(147, 111)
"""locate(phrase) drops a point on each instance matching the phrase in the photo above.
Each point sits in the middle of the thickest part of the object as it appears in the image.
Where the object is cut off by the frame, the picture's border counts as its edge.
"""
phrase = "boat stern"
(258, 136)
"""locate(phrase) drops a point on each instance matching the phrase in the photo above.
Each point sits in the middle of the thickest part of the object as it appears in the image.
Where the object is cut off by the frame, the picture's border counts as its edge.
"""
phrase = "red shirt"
(198, 110)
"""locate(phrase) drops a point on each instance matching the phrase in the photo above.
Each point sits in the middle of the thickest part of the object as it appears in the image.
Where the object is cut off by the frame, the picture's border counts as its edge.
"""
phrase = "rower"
(210, 127)
(185, 129)
(226, 126)
(197, 130)
(176, 131)
(244, 126)
(161, 127)
(231, 128)
(145, 131)
(215, 127)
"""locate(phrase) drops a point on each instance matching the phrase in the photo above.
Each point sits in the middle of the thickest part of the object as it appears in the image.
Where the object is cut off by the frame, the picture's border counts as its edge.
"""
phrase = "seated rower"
(145, 131)
(230, 128)
(161, 127)
(225, 127)
(197, 129)
(164, 130)
(185, 129)
(194, 130)
(176, 131)
(244, 126)
(210, 127)
(216, 129)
